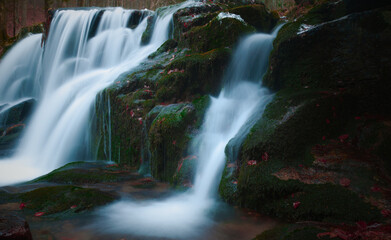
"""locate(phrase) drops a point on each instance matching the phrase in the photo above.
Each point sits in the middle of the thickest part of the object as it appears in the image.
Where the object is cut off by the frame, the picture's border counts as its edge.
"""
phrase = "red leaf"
(386, 213)
(375, 188)
(296, 205)
(235, 182)
(73, 206)
(357, 118)
(251, 162)
(327, 121)
(38, 214)
(319, 235)
(362, 225)
(322, 160)
(343, 137)
(265, 156)
(324, 138)
(345, 182)
(301, 165)
(174, 142)
(22, 205)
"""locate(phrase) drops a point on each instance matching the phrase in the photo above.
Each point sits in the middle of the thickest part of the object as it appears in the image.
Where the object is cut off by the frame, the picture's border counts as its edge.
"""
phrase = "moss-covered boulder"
(16, 114)
(86, 173)
(193, 75)
(147, 35)
(221, 31)
(350, 53)
(50, 200)
(257, 16)
(169, 135)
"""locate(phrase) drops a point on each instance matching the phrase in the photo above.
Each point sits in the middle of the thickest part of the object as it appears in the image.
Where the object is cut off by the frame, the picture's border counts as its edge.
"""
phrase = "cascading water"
(241, 100)
(80, 59)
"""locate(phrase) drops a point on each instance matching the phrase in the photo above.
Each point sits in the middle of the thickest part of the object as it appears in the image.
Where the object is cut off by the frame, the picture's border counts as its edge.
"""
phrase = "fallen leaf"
(343, 137)
(251, 162)
(345, 182)
(375, 188)
(38, 214)
(265, 156)
(296, 205)
(386, 213)
(73, 206)
(22, 205)
(362, 225)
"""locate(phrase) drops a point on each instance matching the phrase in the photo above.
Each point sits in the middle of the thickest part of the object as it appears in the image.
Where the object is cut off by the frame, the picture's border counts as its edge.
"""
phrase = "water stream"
(241, 100)
(79, 60)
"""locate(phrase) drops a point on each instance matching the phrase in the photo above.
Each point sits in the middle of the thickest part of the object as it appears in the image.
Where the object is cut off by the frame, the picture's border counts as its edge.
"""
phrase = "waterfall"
(239, 103)
(86, 51)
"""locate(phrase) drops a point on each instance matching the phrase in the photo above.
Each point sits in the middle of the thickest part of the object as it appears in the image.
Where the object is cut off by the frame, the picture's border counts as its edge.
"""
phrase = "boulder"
(13, 227)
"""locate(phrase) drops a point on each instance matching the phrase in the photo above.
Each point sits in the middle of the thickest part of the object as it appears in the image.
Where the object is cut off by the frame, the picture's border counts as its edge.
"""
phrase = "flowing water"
(79, 60)
(86, 51)
(184, 216)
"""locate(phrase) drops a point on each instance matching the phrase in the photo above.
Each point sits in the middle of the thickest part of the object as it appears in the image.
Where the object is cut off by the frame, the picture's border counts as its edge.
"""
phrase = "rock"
(168, 137)
(16, 114)
(217, 33)
(257, 16)
(195, 74)
(341, 54)
(147, 35)
(13, 227)
(56, 199)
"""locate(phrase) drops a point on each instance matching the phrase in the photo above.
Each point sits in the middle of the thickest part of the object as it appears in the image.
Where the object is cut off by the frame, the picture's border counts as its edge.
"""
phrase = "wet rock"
(147, 35)
(257, 16)
(168, 138)
(349, 53)
(16, 114)
(219, 32)
(13, 227)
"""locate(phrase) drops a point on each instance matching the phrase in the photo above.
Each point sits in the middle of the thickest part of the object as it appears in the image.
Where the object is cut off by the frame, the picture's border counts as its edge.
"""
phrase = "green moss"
(60, 198)
(295, 120)
(170, 44)
(79, 176)
(257, 16)
(290, 232)
(147, 35)
(197, 74)
(258, 189)
(168, 137)
(216, 34)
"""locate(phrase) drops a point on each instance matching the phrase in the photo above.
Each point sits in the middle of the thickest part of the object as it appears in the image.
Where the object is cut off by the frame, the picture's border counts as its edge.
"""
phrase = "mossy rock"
(58, 199)
(147, 34)
(18, 113)
(257, 16)
(170, 44)
(193, 75)
(168, 137)
(304, 60)
(295, 120)
(258, 189)
(216, 34)
(291, 232)
(83, 173)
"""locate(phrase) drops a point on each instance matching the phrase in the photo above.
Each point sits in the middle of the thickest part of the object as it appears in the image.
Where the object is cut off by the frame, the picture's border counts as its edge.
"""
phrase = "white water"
(183, 216)
(65, 77)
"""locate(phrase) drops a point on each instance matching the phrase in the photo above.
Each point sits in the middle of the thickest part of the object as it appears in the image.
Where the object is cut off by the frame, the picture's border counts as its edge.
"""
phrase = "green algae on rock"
(58, 199)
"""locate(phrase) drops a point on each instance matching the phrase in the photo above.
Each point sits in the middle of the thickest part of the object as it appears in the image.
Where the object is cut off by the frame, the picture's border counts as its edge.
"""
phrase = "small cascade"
(86, 51)
(232, 113)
